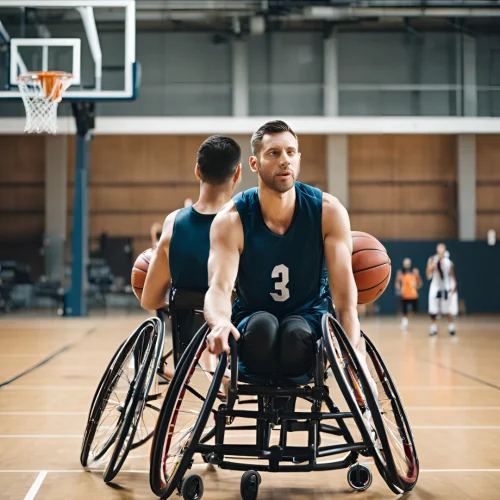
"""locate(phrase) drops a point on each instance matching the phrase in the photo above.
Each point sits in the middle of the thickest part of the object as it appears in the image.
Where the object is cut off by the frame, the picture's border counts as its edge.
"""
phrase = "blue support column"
(75, 303)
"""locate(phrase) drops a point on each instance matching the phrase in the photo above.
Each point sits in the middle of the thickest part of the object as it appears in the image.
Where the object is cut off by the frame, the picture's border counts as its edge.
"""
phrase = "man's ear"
(253, 164)
(237, 174)
(197, 172)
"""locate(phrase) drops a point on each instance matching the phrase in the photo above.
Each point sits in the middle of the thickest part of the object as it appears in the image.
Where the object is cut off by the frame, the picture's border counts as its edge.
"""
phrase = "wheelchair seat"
(186, 312)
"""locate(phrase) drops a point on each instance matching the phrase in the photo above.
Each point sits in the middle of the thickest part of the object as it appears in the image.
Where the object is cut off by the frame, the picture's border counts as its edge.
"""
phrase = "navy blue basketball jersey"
(189, 249)
(282, 274)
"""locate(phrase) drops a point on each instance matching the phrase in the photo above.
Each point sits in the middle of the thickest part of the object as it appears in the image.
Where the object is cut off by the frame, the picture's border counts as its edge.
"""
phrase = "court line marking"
(235, 435)
(463, 374)
(41, 413)
(45, 360)
(451, 408)
(40, 436)
(408, 408)
(457, 427)
(36, 485)
(93, 388)
(145, 471)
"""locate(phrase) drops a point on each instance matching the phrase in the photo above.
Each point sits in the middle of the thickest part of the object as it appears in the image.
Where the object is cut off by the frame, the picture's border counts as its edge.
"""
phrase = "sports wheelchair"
(125, 405)
(197, 417)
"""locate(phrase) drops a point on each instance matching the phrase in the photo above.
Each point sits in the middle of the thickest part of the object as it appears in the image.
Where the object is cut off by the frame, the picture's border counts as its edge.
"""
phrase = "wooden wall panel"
(488, 197)
(402, 157)
(313, 160)
(21, 198)
(485, 222)
(487, 157)
(22, 159)
(487, 185)
(390, 197)
(404, 226)
(403, 186)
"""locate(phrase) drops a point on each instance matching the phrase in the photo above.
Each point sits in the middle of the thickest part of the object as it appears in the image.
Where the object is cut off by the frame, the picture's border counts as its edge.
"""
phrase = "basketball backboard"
(94, 40)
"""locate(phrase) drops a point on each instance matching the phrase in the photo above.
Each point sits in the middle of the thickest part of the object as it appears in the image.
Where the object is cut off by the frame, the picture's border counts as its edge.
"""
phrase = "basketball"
(371, 266)
(139, 272)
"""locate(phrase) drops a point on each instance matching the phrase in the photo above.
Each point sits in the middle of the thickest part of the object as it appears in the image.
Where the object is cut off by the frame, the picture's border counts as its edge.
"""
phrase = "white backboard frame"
(45, 43)
(131, 69)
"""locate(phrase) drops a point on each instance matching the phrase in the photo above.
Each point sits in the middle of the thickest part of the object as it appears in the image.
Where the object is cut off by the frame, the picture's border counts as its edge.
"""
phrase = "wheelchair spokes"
(393, 419)
(185, 415)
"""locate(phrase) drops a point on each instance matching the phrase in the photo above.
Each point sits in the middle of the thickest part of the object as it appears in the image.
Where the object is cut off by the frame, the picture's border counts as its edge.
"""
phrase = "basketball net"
(41, 92)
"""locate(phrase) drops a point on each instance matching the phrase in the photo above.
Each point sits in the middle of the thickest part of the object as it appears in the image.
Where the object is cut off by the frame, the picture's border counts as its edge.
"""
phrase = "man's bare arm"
(338, 254)
(158, 277)
(226, 244)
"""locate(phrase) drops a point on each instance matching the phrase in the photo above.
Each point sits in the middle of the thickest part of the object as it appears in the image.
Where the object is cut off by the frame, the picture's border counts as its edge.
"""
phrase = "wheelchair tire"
(97, 414)
(249, 487)
(171, 457)
(149, 356)
(369, 413)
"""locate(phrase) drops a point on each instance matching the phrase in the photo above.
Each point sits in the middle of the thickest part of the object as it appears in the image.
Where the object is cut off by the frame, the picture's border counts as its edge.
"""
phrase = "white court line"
(444, 388)
(145, 471)
(453, 408)
(36, 486)
(40, 436)
(14, 388)
(457, 427)
(41, 413)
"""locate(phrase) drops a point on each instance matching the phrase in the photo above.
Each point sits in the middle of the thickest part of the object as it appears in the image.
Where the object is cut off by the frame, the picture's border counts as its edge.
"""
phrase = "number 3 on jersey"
(283, 294)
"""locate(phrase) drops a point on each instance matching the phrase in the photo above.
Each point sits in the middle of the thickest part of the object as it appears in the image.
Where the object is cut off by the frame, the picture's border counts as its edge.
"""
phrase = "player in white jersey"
(443, 296)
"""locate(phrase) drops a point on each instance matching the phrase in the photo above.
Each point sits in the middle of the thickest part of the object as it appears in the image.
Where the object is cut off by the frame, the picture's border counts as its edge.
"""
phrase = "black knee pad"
(258, 344)
(296, 346)
(433, 316)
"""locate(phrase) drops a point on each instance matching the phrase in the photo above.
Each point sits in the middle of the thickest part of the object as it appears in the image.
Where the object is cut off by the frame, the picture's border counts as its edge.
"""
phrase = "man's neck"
(277, 208)
(212, 198)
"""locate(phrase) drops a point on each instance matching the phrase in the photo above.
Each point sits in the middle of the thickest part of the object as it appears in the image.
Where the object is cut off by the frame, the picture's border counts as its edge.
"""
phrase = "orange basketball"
(139, 272)
(371, 266)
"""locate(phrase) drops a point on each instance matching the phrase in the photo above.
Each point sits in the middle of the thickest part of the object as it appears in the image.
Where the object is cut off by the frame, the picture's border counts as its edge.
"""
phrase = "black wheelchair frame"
(276, 407)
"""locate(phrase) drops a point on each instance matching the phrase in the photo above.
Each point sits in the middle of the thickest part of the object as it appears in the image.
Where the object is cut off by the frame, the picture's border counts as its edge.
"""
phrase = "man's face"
(441, 248)
(278, 162)
(407, 263)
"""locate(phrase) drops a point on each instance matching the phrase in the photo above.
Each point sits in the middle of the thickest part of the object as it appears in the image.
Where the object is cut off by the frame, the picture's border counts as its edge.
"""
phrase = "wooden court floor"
(450, 388)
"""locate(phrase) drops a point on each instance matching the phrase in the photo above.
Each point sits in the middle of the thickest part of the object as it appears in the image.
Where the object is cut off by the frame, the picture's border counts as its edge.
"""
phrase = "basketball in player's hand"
(139, 272)
(371, 266)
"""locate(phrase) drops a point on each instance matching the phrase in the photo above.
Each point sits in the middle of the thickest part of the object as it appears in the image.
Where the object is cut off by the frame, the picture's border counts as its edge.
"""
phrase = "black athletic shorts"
(406, 303)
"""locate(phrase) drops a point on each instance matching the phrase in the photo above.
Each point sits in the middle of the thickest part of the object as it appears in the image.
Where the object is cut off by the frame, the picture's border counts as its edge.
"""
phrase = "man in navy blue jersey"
(284, 244)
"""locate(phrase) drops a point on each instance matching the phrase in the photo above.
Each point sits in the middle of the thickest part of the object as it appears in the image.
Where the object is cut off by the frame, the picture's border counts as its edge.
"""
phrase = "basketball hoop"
(41, 92)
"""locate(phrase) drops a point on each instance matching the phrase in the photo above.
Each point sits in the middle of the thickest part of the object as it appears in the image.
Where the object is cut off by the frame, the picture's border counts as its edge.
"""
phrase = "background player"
(443, 296)
(408, 282)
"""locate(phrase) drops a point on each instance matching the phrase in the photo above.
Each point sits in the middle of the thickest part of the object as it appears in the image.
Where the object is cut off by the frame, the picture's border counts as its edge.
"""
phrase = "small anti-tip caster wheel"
(359, 477)
(192, 487)
(250, 485)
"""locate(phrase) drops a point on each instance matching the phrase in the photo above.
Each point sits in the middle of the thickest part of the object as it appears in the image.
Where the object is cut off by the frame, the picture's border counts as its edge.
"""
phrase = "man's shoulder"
(309, 190)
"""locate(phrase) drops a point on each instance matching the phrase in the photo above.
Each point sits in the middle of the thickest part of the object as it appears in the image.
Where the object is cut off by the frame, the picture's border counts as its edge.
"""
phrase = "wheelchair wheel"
(150, 412)
(380, 417)
(184, 416)
(147, 357)
(107, 409)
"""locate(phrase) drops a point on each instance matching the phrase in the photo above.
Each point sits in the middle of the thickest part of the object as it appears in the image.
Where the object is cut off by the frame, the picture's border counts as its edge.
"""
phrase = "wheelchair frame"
(276, 407)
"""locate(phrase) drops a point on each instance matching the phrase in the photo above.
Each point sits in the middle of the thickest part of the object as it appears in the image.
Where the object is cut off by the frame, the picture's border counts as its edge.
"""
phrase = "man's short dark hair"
(218, 158)
(272, 127)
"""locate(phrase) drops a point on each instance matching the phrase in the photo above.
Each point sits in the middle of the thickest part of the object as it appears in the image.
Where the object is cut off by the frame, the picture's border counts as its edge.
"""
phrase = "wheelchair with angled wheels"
(198, 417)
(126, 403)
